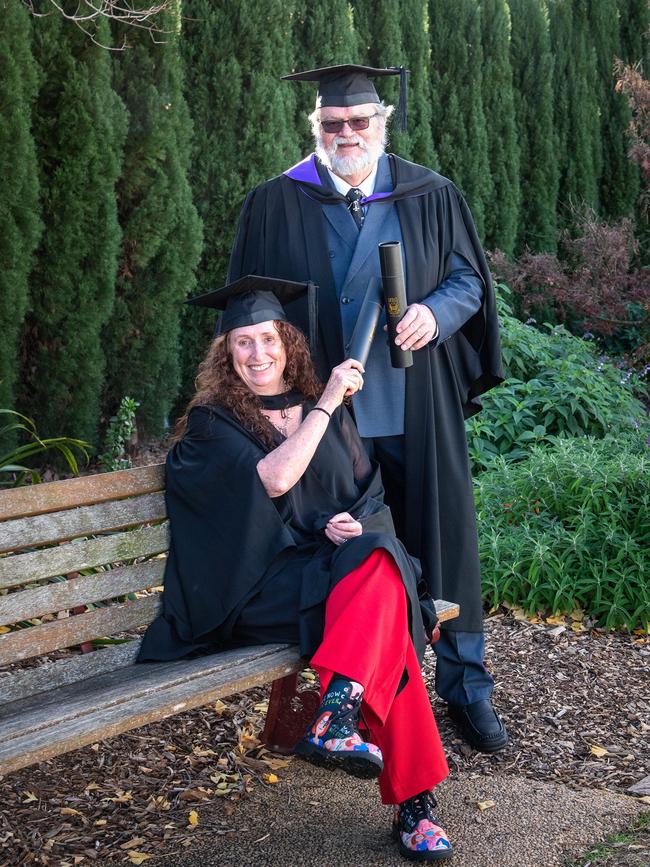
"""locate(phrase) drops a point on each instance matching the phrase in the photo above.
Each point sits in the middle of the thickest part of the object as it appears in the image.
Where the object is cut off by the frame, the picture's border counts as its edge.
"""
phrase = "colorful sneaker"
(415, 828)
(332, 739)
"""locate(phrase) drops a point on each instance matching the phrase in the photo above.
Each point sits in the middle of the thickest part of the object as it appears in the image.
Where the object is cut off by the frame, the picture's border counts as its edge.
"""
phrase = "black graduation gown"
(244, 568)
(282, 233)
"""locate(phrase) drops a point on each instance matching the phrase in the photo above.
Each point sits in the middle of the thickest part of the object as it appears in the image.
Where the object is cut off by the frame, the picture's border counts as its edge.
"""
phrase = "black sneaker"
(416, 829)
(332, 739)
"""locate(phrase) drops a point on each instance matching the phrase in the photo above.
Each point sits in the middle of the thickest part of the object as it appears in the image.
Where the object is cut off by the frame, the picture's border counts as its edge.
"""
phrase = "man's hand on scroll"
(416, 328)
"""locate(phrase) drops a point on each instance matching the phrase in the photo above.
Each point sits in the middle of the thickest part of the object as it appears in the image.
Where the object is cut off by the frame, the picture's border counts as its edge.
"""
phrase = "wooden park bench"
(82, 561)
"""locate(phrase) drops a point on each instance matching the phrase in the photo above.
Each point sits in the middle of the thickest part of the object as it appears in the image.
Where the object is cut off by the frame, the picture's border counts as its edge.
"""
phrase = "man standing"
(322, 220)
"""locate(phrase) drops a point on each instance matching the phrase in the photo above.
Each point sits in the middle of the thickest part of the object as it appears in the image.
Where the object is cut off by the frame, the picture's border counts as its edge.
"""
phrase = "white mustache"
(342, 140)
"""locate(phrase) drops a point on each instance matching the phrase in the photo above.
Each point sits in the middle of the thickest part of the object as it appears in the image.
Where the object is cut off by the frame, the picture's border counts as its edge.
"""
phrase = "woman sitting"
(279, 534)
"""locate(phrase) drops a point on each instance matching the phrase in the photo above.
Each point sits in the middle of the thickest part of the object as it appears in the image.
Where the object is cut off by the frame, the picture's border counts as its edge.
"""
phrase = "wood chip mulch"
(576, 704)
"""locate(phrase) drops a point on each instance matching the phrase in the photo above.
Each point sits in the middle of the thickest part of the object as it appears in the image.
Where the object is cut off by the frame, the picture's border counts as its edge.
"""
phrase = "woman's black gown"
(244, 568)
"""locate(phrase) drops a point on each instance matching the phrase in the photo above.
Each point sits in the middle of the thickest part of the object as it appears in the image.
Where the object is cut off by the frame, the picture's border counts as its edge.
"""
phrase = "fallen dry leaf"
(598, 751)
(193, 818)
(134, 843)
(29, 797)
(138, 857)
(556, 620)
(69, 811)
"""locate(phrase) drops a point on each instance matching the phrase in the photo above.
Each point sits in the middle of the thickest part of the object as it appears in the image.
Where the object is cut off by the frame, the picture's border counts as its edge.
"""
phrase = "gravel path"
(316, 818)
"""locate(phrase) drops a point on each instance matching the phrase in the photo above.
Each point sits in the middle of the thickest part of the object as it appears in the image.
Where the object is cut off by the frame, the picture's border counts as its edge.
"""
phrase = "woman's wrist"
(326, 404)
(323, 410)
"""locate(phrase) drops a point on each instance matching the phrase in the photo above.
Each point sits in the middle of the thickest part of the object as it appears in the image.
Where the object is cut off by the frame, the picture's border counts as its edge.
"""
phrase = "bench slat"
(22, 683)
(118, 687)
(135, 711)
(38, 565)
(87, 520)
(15, 685)
(80, 591)
(84, 491)
(36, 640)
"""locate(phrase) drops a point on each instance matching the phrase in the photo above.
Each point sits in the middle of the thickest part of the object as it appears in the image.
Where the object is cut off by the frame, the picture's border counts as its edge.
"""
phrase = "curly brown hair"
(217, 383)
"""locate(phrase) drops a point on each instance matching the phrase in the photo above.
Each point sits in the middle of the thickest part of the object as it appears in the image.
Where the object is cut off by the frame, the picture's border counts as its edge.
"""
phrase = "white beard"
(345, 166)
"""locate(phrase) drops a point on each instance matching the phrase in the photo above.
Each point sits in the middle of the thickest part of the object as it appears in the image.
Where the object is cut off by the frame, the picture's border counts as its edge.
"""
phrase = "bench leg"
(289, 713)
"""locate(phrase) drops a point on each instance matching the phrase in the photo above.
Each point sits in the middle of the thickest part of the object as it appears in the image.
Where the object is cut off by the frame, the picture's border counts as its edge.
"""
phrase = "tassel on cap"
(402, 107)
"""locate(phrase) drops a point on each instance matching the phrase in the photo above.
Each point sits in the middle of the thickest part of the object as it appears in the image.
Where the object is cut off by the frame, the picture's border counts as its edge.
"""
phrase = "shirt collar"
(367, 187)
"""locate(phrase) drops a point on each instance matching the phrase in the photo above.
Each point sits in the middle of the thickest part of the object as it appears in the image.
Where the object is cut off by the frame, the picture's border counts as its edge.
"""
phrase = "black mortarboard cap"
(351, 84)
(254, 299)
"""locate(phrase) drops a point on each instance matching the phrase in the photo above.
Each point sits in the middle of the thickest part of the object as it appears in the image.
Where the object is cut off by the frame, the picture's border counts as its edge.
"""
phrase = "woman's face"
(258, 357)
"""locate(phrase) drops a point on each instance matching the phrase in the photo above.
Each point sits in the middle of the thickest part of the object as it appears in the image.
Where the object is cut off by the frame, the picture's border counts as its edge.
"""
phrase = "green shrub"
(556, 385)
(12, 471)
(119, 432)
(570, 527)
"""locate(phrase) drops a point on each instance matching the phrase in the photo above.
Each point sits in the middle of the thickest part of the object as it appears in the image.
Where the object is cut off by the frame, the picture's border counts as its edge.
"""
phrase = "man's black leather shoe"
(480, 725)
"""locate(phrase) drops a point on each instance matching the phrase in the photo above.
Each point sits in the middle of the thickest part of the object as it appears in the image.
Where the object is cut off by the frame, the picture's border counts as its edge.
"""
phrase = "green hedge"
(569, 527)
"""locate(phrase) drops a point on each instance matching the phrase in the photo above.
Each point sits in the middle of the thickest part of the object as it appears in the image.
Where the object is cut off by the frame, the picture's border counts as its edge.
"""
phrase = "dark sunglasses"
(355, 123)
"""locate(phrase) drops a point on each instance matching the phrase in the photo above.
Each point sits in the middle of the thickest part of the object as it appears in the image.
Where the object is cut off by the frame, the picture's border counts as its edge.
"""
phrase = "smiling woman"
(258, 357)
(279, 533)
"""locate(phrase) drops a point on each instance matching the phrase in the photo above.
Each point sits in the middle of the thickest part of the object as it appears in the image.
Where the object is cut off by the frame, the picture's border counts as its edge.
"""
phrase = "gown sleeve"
(225, 532)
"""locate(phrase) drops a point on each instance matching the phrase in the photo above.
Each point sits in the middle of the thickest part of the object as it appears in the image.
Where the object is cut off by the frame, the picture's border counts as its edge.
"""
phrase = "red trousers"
(366, 639)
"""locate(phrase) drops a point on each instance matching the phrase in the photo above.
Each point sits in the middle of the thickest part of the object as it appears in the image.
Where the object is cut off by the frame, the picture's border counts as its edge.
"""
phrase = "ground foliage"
(556, 385)
(569, 696)
(568, 529)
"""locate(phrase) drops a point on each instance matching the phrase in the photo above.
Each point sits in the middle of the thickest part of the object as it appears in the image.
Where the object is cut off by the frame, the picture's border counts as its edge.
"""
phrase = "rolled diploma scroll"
(366, 324)
(392, 275)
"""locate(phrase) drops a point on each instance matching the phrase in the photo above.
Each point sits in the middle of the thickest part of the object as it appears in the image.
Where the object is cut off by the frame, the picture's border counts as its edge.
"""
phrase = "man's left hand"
(416, 328)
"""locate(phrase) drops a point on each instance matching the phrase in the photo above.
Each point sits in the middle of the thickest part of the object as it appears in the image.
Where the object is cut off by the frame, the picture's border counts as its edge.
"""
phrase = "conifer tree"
(79, 129)
(20, 225)
(502, 213)
(162, 230)
(459, 126)
(634, 18)
(619, 180)
(417, 58)
(378, 25)
(244, 131)
(576, 106)
(324, 36)
(532, 67)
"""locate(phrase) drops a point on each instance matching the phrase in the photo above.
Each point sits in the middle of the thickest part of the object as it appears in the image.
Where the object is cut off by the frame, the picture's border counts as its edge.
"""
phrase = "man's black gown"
(282, 233)
(247, 569)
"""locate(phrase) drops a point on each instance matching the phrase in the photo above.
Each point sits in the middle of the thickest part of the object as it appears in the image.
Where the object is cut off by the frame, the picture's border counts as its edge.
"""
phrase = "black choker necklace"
(282, 401)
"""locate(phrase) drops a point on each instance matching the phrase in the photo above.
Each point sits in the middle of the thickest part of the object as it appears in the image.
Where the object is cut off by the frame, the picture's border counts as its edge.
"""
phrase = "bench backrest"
(97, 541)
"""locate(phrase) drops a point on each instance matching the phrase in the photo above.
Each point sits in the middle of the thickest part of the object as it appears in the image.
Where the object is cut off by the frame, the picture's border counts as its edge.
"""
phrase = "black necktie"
(353, 195)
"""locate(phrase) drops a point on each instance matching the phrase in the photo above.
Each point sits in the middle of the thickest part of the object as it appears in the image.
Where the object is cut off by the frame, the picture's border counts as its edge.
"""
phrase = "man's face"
(349, 151)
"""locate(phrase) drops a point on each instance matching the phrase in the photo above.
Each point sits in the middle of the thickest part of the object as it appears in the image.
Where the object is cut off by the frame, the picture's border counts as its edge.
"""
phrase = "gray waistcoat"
(379, 408)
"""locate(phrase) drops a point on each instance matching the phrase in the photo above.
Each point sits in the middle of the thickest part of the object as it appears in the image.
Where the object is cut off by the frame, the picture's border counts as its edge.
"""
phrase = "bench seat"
(81, 563)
